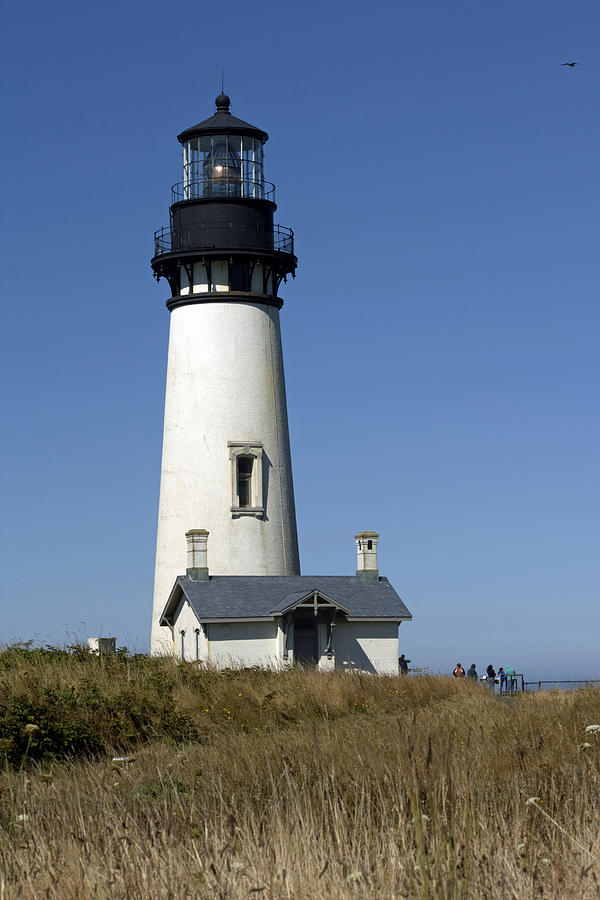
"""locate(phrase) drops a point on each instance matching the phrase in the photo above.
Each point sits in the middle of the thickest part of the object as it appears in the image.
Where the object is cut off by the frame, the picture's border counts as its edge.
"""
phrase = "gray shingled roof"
(253, 596)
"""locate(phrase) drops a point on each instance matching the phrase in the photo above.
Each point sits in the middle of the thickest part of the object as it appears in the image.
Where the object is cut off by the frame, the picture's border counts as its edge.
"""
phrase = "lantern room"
(223, 157)
(223, 165)
(221, 237)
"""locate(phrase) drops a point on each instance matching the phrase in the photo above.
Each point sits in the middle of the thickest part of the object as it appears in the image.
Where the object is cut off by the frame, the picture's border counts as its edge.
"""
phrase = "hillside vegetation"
(289, 785)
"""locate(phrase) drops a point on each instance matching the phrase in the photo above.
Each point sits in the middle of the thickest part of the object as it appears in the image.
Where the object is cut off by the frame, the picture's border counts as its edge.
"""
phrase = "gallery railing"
(229, 185)
(226, 237)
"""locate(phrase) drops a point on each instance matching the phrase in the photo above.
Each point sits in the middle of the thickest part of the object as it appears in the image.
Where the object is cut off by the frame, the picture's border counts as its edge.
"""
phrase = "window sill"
(247, 511)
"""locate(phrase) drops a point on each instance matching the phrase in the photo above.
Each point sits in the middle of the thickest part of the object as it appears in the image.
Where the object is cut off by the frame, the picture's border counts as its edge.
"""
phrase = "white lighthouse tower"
(226, 464)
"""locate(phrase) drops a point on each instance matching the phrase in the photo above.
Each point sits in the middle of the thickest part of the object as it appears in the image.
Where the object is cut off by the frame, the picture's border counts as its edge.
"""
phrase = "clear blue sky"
(440, 169)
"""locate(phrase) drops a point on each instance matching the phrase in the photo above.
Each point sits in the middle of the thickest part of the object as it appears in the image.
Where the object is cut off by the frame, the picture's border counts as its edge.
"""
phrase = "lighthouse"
(226, 464)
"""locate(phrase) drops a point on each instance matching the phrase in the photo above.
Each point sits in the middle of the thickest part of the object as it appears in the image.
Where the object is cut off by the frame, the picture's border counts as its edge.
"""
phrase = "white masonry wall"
(243, 644)
(225, 382)
(224, 644)
(186, 621)
(368, 646)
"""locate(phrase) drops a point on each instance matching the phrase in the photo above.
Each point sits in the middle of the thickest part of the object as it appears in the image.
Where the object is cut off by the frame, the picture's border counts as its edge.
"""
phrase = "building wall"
(363, 646)
(243, 644)
(186, 621)
(223, 644)
(368, 646)
(225, 382)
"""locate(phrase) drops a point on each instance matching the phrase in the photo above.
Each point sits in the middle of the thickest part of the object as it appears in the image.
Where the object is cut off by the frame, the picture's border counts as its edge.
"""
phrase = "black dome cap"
(222, 122)
(223, 103)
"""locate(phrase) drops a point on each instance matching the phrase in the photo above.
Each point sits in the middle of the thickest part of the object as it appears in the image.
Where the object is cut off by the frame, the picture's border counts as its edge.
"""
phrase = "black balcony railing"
(222, 186)
(224, 237)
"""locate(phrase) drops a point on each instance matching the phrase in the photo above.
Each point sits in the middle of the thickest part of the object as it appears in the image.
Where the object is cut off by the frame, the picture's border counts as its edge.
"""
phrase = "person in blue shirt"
(502, 675)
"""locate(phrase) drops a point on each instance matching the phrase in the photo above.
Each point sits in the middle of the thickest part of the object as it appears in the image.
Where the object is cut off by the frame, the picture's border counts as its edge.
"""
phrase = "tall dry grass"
(307, 785)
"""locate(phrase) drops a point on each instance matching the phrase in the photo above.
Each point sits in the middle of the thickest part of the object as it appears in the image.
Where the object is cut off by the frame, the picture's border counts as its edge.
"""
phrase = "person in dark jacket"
(491, 672)
(472, 673)
(459, 672)
(403, 663)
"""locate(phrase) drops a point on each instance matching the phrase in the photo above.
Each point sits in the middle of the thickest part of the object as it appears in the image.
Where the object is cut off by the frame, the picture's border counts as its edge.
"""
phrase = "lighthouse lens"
(223, 165)
(221, 170)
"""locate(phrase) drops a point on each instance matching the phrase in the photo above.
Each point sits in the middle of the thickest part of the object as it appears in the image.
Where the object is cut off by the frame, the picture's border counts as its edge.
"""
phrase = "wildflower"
(126, 760)
(30, 729)
(532, 801)
(23, 817)
(237, 865)
(354, 876)
(239, 695)
(585, 746)
(545, 859)
(592, 729)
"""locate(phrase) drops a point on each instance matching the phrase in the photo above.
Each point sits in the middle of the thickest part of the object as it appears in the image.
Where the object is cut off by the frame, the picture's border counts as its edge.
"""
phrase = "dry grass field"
(291, 785)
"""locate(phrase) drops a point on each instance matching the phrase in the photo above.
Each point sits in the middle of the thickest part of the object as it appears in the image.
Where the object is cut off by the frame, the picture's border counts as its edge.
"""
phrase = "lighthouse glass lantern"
(226, 463)
(222, 165)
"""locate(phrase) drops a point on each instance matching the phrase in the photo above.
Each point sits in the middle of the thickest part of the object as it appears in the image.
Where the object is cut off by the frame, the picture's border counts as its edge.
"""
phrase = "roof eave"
(223, 124)
(167, 613)
(372, 618)
(228, 619)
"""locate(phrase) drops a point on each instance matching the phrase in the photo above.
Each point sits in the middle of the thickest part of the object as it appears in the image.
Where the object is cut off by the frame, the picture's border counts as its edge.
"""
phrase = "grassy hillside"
(285, 785)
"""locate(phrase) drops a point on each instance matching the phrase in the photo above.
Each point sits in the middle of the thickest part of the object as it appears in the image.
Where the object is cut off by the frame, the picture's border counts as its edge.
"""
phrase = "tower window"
(239, 276)
(246, 478)
(182, 643)
(369, 545)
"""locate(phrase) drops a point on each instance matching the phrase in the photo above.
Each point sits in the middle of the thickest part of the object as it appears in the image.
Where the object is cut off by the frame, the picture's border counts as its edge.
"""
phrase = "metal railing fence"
(538, 685)
(202, 186)
(226, 237)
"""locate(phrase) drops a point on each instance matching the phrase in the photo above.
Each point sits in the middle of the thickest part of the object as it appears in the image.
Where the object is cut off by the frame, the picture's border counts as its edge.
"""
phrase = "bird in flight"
(571, 64)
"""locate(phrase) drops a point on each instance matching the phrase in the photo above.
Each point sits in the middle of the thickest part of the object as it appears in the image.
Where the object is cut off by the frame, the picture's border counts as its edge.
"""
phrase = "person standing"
(491, 677)
(459, 672)
(502, 675)
(403, 664)
(511, 681)
(472, 673)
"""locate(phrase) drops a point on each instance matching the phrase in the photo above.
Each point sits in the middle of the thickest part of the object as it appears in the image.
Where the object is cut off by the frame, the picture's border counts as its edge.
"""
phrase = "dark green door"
(306, 641)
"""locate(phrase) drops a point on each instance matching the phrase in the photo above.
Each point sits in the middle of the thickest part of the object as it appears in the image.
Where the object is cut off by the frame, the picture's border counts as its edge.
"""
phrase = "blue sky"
(440, 169)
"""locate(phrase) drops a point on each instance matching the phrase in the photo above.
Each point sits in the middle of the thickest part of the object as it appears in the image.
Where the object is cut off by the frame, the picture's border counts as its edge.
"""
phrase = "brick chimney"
(366, 557)
(197, 557)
